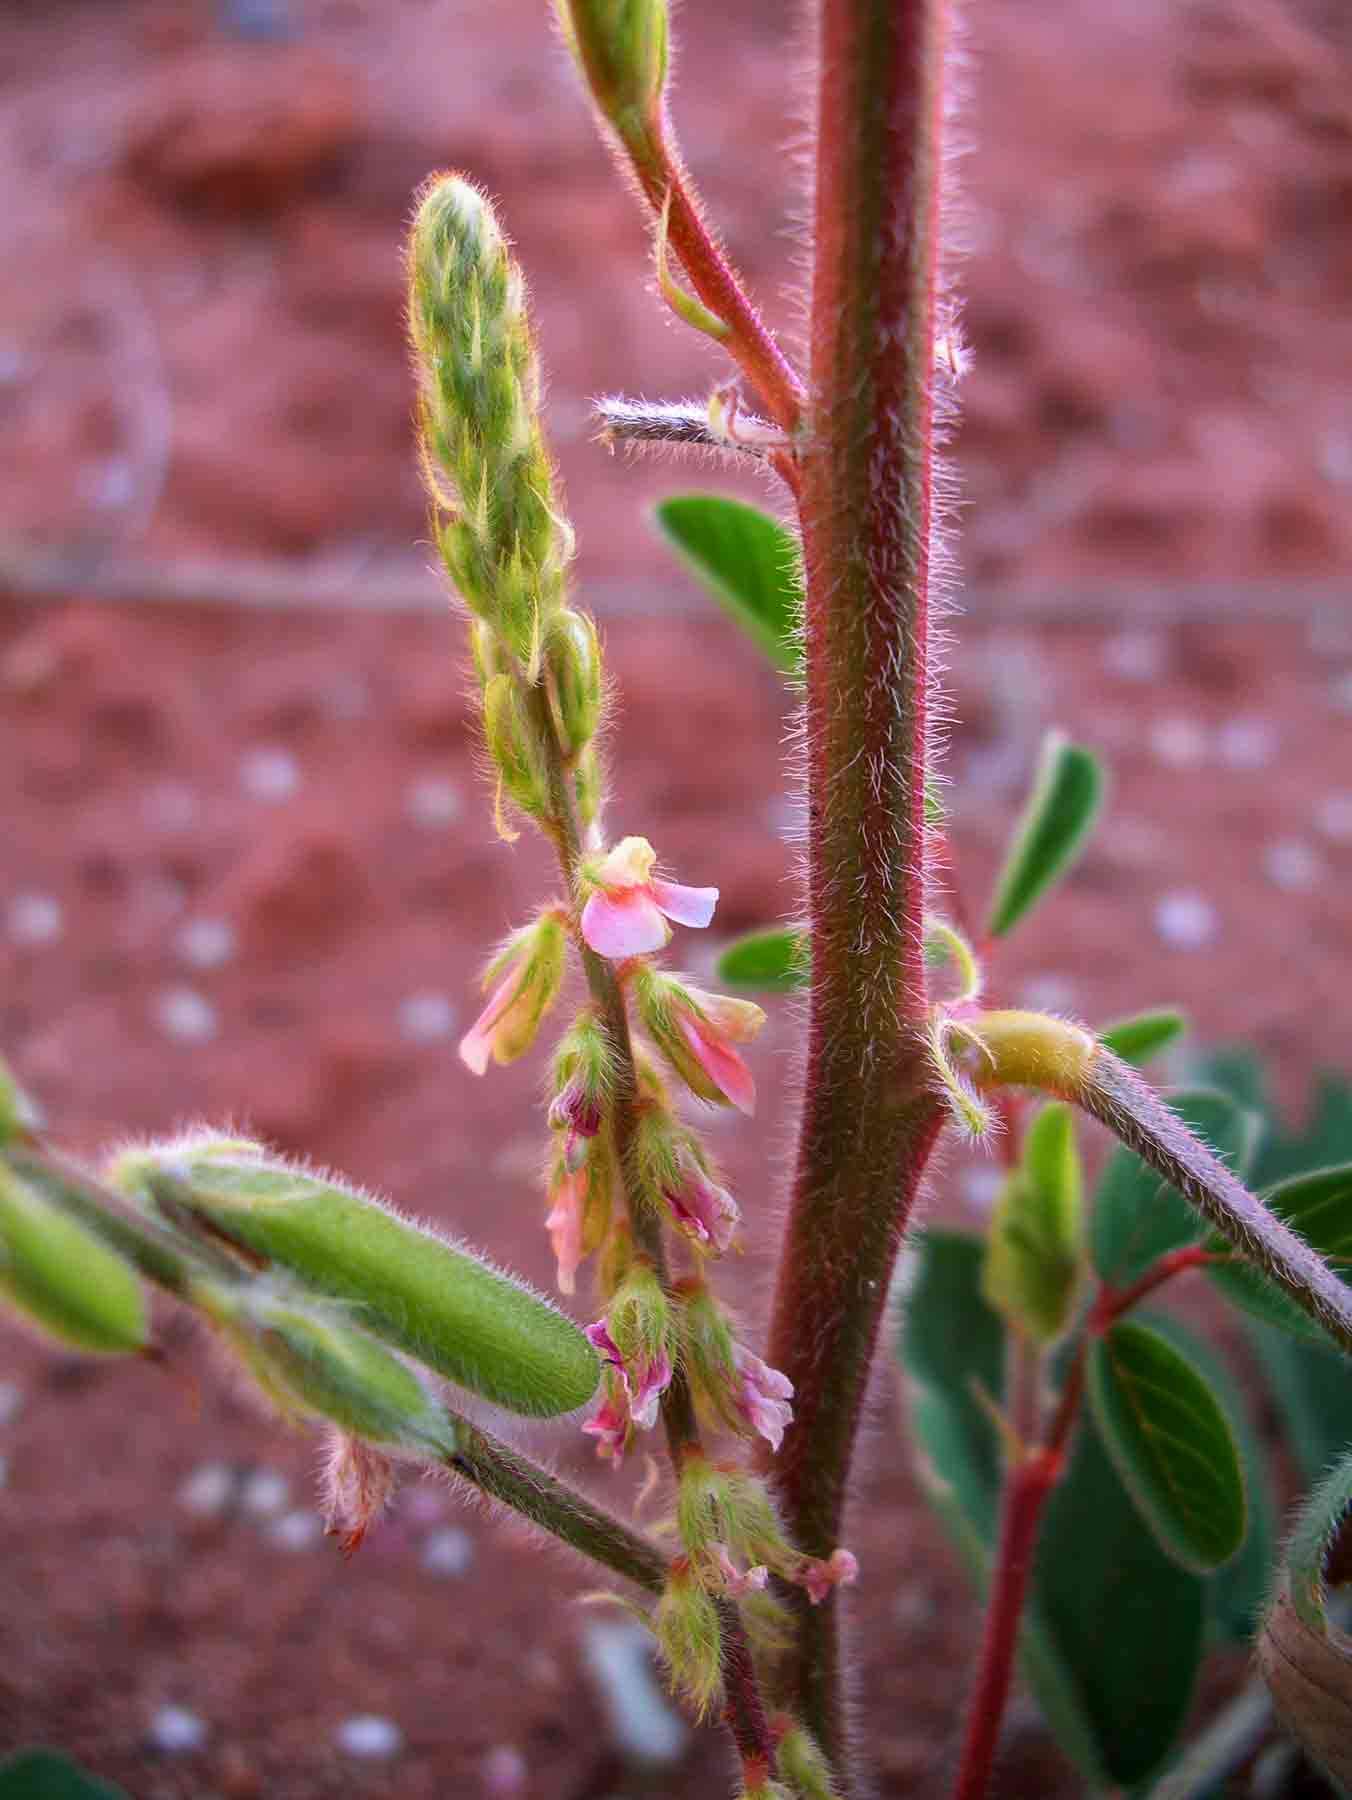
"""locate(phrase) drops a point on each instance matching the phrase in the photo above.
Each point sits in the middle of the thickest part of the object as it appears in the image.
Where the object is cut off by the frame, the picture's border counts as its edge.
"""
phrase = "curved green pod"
(449, 1308)
(64, 1279)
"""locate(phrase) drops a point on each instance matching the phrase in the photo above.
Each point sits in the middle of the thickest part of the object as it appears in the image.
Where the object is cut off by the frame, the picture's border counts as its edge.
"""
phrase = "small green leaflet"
(48, 1775)
(775, 961)
(1032, 1252)
(1137, 1039)
(749, 562)
(1171, 1443)
(1067, 797)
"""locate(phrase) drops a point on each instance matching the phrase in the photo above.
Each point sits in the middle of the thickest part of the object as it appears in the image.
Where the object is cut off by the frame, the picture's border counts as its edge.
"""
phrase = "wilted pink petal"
(609, 1425)
(735, 1582)
(719, 1061)
(476, 1047)
(603, 1344)
(620, 922)
(701, 1208)
(840, 1569)
(650, 1382)
(687, 905)
(564, 1226)
(764, 1397)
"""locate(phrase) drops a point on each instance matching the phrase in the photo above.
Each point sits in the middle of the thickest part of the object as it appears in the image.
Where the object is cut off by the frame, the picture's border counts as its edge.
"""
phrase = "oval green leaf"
(749, 562)
(1033, 1250)
(770, 962)
(1067, 797)
(1143, 1036)
(1171, 1443)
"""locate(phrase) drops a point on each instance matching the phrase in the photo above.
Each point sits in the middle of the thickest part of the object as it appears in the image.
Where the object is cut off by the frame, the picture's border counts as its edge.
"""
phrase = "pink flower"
(531, 966)
(575, 1113)
(564, 1224)
(609, 1425)
(764, 1397)
(644, 1381)
(696, 1033)
(628, 913)
(703, 1210)
(735, 1582)
(841, 1569)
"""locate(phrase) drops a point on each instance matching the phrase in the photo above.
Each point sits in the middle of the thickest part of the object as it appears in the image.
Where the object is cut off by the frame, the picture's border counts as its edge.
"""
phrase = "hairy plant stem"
(744, 1712)
(869, 1119)
(665, 185)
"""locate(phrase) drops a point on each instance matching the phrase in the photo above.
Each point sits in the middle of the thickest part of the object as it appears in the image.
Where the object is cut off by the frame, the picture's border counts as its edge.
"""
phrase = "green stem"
(869, 1120)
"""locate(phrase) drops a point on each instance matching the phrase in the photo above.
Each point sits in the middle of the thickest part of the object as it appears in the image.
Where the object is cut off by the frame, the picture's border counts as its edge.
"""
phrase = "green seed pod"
(621, 49)
(64, 1279)
(308, 1360)
(573, 656)
(497, 520)
(414, 1289)
(514, 746)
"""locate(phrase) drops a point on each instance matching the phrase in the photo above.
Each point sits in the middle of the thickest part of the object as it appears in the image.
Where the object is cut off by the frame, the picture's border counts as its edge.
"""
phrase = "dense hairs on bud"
(690, 1640)
(621, 49)
(495, 514)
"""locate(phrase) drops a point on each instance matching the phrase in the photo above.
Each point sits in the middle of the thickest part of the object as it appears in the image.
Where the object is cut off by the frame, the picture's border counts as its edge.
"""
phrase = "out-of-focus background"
(247, 866)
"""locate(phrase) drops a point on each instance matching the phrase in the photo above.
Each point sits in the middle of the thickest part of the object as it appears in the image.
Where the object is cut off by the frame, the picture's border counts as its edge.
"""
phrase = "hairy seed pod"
(407, 1285)
(65, 1279)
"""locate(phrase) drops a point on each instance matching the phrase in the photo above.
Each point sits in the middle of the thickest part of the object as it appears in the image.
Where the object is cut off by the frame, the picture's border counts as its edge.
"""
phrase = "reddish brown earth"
(248, 869)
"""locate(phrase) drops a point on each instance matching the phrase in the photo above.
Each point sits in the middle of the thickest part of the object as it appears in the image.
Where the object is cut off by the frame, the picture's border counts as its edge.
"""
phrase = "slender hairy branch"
(1116, 1096)
(680, 425)
(512, 1479)
(869, 1120)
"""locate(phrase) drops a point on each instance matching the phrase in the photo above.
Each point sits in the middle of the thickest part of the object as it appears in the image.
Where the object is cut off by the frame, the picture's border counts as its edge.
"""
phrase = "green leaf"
(47, 1775)
(1319, 1207)
(1137, 1217)
(1066, 799)
(1115, 1698)
(749, 562)
(1235, 1593)
(772, 962)
(1127, 1621)
(1172, 1444)
(1032, 1252)
(1143, 1036)
(1314, 1396)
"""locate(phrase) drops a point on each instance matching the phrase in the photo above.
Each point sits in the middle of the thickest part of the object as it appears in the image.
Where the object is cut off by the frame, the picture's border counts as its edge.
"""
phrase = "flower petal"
(624, 922)
(628, 865)
(564, 1226)
(476, 1047)
(692, 906)
(720, 1063)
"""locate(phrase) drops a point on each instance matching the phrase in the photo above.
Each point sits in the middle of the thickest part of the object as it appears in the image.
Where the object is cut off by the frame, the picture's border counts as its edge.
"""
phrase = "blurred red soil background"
(247, 867)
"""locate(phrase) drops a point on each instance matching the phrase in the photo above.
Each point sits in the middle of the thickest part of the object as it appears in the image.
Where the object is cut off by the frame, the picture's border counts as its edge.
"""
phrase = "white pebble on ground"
(449, 1551)
(209, 1489)
(1333, 816)
(426, 1018)
(297, 1530)
(369, 1737)
(186, 1015)
(1292, 866)
(433, 802)
(1246, 743)
(177, 1732)
(642, 1723)
(269, 773)
(34, 919)
(1186, 921)
(265, 1493)
(504, 1770)
(206, 943)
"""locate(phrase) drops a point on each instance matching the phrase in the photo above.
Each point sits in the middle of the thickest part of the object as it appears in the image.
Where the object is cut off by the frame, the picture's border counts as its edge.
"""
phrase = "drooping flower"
(527, 972)
(734, 1581)
(642, 1379)
(568, 1196)
(840, 1569)
(627, 913)
(357, 1482)
(611, 1427)
(577, 1114)
(764, 1396)
(696, 1033)
(701, 1208)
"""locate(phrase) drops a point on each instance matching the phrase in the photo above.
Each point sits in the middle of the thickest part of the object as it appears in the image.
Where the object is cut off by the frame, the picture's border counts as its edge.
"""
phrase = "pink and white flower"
(735, 1581)
(610, 1426)
(763, 1396)
(697, 1032)
(701, 1208)
(840, 1569)
(531, 968)
(568, 1194)
(627, 914)
(643, 1380)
